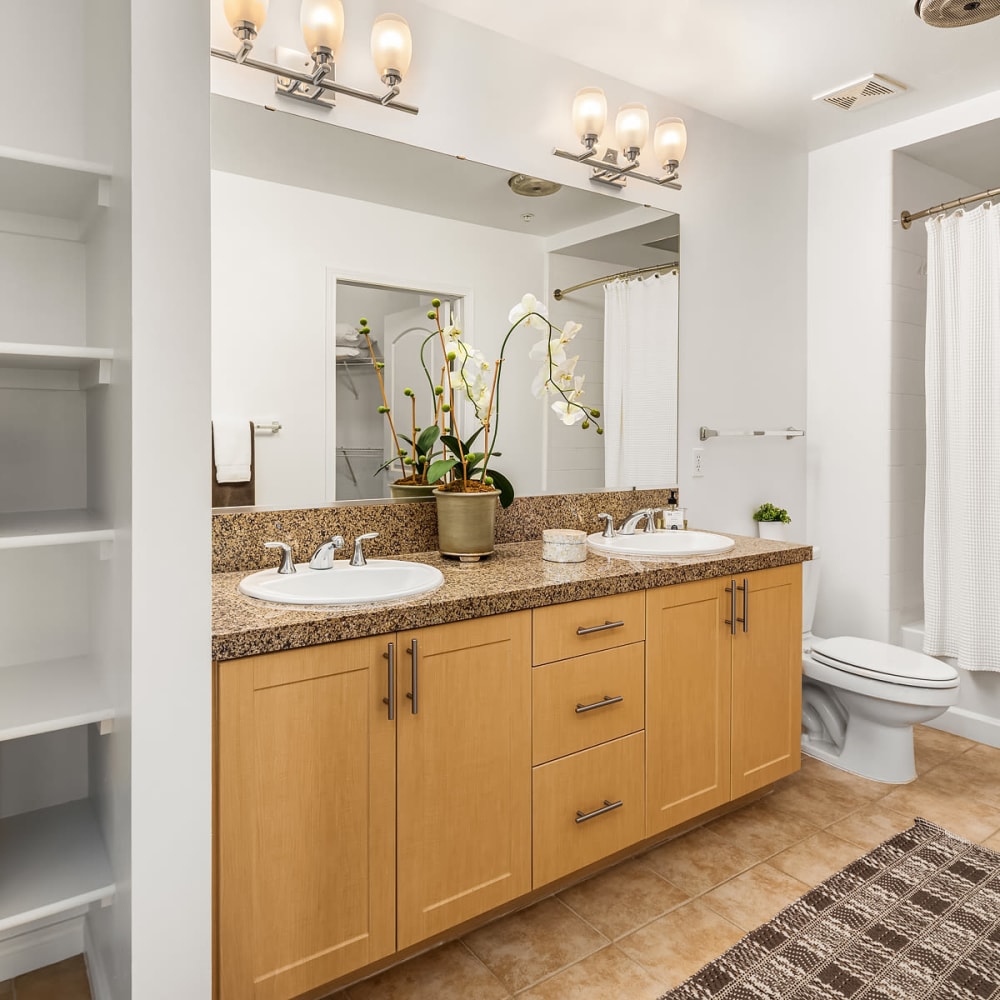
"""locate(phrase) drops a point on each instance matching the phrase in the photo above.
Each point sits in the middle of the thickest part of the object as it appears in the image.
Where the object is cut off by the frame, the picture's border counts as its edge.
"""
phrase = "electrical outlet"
(698, 463)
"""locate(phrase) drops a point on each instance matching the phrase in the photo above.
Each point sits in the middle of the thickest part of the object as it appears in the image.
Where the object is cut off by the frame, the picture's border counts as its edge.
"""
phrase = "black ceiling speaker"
(955, 13)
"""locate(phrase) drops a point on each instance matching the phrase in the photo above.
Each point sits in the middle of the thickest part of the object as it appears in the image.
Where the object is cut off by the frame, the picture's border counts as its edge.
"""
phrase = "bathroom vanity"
(387, 775)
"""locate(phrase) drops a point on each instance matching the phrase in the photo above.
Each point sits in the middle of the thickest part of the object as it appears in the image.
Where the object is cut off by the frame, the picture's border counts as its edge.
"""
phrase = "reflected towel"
(232, 439)
(347, 336)
(347, 352)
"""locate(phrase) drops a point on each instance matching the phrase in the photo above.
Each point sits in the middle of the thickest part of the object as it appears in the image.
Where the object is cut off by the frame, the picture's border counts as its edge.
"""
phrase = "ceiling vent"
(955, 13)
(861, 93)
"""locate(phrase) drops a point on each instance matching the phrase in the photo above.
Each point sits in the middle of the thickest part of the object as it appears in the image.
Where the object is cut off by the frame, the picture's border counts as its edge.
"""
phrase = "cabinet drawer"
(573, 706)
(567, 790)
(564, 630)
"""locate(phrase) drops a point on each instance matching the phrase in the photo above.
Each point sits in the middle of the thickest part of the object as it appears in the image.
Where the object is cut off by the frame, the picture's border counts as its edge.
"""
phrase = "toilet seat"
(883, 662)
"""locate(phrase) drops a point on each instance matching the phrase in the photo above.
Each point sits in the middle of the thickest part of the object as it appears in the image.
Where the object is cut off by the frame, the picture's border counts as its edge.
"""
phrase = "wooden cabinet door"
(767, 679)
(464, 772)
(687, 702)
(306, 818)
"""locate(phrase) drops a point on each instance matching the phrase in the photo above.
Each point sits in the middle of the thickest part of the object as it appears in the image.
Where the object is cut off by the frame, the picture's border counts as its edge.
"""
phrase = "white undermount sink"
(378, 580)
(661, 544)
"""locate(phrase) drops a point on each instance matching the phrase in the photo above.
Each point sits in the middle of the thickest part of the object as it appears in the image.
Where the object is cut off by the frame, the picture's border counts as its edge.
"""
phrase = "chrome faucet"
(287, 566)
(632, 522)
(608, 521)
(326, 553)
(358, 559)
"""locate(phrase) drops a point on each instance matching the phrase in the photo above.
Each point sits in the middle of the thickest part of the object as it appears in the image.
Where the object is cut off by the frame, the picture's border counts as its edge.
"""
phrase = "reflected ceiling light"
(590, 113)
(311, 76)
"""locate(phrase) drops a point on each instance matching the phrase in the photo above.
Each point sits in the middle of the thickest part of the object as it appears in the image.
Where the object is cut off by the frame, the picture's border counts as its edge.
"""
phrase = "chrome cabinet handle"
(609, 699)
(731, 620)
(390, 655)
(745, 620)
(412, 695)
(599, 628)
(582, 817)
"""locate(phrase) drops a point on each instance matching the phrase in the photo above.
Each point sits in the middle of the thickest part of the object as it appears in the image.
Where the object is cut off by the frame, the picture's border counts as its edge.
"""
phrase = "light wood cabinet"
(723, 691)
(306, 819)
(464, 772)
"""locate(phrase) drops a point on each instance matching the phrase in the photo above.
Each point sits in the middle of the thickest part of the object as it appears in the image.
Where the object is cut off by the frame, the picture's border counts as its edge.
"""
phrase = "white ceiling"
(759, 63)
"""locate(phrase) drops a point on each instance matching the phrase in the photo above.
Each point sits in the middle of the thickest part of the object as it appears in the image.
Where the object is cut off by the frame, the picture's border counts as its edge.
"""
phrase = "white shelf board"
(33, 529)
(53, 196)
(53, 366)
(52, 861)
(46, 696)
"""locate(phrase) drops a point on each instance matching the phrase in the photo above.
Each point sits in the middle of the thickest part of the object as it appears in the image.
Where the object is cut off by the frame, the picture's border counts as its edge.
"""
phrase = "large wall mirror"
(314, 226)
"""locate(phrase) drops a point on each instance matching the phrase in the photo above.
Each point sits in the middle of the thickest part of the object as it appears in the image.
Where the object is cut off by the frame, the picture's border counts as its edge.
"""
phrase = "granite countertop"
(514, 578)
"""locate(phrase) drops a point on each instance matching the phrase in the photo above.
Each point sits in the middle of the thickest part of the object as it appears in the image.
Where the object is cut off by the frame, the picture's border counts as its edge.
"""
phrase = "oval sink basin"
(379, 580)
(661, 544)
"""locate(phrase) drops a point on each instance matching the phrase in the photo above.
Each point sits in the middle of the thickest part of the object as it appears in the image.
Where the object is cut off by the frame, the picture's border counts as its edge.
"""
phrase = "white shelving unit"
(52, 861)
(51, 695)
(32, 529)
(53, 366)
(51, 196)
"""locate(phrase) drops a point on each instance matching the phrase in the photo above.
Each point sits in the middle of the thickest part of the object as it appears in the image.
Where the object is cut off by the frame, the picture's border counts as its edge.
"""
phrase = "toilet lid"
(892, 664)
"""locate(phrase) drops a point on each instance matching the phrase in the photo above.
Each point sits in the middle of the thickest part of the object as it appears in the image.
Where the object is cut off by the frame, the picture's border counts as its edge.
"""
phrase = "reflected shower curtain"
(640, 382)
(962, 516)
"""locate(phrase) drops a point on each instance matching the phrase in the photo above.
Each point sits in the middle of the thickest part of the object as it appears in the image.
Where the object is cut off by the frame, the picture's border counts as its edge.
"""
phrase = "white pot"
(778, 531)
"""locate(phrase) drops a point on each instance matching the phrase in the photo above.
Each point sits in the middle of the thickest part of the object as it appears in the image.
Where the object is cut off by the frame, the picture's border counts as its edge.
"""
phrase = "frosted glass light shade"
(590, 112)
(392, 45)
(670, 141)
(252, 11)
(632, 127)
(322, 24)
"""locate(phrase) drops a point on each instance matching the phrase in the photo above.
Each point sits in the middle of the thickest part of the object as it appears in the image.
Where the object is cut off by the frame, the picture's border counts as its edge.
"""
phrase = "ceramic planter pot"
(411, 491)
(466, 523)
(777, 531)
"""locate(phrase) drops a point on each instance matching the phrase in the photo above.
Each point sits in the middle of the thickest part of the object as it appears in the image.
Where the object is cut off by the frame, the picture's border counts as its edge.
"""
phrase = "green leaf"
(440, 468)
(425, 442)
(503, 484)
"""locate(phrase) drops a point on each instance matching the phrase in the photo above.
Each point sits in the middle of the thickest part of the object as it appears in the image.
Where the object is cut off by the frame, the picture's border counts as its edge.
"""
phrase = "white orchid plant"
(465, 373)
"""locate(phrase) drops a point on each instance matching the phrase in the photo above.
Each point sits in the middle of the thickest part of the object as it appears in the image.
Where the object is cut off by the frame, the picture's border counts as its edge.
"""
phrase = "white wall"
(269, 313)
(742, 354)
(852, 215)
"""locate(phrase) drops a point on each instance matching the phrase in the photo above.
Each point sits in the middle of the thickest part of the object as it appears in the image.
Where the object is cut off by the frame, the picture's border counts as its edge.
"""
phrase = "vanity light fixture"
(311, 76)
(590, 114)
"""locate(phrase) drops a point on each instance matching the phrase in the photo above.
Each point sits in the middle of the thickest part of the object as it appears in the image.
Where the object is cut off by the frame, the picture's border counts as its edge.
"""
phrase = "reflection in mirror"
(314, 226)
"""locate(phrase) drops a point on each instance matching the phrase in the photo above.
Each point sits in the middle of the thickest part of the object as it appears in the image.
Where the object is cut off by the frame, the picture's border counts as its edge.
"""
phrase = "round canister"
(564, 545)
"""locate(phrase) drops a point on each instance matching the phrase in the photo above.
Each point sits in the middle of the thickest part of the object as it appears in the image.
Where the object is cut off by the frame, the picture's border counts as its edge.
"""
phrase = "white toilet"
(862, 698)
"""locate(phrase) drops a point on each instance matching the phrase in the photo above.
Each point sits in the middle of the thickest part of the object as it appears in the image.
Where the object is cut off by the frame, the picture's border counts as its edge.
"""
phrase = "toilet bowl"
(861, 698)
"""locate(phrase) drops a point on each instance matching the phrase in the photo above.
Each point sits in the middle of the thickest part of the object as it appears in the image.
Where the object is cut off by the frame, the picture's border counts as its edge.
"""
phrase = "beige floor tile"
(817, 770)
(816, 858)
(623, 899)
(870, 826)
(965, 776)
(678, 944)
(65, 980)
(605, 974)
(761, 830)
(817, 802)
(934, 746)
(993, 843)
(960, 814)
(698, 861)
(534, 943)
(755, 896)
(447, 973)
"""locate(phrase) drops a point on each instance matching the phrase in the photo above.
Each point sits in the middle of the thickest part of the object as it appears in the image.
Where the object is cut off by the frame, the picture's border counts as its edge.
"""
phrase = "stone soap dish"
(564, 545)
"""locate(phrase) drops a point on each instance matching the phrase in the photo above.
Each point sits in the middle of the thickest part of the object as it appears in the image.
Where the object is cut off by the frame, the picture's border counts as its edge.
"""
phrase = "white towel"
(347, 336)
(232, 449)
(347, 352)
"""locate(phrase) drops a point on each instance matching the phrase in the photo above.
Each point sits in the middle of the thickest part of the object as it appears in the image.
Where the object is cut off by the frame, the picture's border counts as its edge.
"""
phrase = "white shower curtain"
(962, 514)
(640, 382)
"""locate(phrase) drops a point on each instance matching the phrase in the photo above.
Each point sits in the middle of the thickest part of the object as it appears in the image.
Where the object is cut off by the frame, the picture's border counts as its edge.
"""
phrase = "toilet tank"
(810, 588)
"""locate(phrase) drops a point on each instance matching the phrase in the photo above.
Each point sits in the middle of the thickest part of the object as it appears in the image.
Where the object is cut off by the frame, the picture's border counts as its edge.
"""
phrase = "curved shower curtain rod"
(906, 219)
(560, 292)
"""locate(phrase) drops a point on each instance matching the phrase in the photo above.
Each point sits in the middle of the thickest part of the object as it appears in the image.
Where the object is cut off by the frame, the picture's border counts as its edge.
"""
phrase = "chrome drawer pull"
(606, 808)
(745, 620)
(609, 699)
(732, 619)
(412, 695)
(600, 628)
(390, 655)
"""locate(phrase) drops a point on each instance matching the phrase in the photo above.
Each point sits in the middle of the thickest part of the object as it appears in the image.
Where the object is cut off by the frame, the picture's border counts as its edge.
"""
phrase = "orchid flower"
(529, 306)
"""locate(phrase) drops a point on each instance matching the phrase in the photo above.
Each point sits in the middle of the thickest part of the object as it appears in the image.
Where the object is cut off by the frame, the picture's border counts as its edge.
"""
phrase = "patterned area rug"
(916, 919)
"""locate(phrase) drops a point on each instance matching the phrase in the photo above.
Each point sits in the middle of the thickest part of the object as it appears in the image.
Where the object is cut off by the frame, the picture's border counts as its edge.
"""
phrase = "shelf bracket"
(106, 727)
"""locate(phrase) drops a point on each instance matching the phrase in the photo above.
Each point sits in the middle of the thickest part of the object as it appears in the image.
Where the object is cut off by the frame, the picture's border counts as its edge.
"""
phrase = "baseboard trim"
(100, 985)
(40, 946)
(971, 725)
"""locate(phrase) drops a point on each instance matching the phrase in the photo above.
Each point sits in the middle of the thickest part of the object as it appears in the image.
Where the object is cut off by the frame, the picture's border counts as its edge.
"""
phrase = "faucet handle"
(287, 566)
(358, 559)
(326, 553)
(609, 525)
